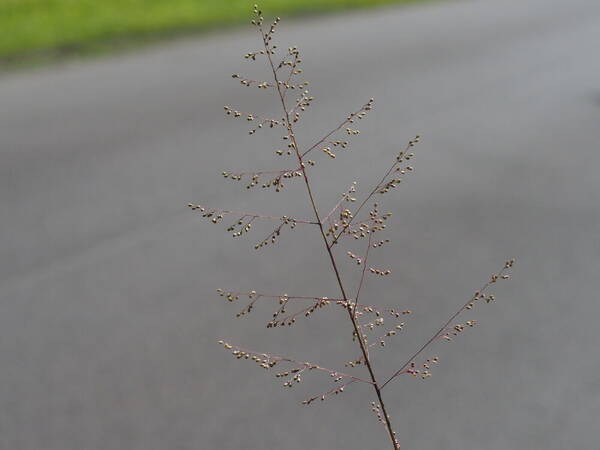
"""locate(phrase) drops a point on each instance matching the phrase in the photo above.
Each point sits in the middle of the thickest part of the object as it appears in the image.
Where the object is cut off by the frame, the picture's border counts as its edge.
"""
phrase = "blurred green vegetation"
(36, 27)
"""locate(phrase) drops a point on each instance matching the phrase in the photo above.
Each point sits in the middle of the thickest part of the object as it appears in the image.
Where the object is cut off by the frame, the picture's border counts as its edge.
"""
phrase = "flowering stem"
(349, 308)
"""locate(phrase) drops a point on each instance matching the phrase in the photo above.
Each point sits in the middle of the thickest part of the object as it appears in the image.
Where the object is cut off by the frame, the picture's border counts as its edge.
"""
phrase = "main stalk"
(334, 265)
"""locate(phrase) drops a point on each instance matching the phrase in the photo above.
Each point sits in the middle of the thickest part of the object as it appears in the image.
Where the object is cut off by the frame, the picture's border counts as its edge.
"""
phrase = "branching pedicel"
(343, 221)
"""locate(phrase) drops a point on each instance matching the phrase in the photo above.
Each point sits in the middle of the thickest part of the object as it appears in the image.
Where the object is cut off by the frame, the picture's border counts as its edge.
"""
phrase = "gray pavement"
(108, 317)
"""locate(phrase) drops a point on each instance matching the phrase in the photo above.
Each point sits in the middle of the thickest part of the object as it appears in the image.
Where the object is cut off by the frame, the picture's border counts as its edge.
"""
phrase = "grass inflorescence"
(356, 220)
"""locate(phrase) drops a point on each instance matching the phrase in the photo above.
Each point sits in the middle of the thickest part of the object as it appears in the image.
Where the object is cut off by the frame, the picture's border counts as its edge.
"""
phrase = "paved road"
(108, 318)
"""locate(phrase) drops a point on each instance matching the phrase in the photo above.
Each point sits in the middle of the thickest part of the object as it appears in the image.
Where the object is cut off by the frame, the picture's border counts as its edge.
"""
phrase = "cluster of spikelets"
(292, 375)
(370, 330)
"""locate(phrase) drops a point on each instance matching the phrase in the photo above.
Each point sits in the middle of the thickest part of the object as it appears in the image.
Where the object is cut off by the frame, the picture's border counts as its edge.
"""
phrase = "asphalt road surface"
(108, 314)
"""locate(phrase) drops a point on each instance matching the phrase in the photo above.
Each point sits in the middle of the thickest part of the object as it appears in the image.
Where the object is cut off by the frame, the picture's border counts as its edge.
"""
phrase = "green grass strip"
(29, 27)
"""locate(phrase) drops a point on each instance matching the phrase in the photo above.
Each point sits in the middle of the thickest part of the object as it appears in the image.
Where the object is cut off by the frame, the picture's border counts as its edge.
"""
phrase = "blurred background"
(109, 319)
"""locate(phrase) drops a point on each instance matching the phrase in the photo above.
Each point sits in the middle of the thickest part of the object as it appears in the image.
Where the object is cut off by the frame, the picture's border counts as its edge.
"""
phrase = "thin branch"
(345, 196)
(253, 294)
(335, 390)
(217, 211)
(478, 294)
(291, 318)
(251, 116)
(308, 365)
(293, 66)
(377, 187)
(365, 107)
(362, 275)
(262, 172)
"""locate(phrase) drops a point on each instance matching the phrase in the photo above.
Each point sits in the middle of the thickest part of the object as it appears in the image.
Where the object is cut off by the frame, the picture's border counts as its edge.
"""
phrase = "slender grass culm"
(349, 219)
